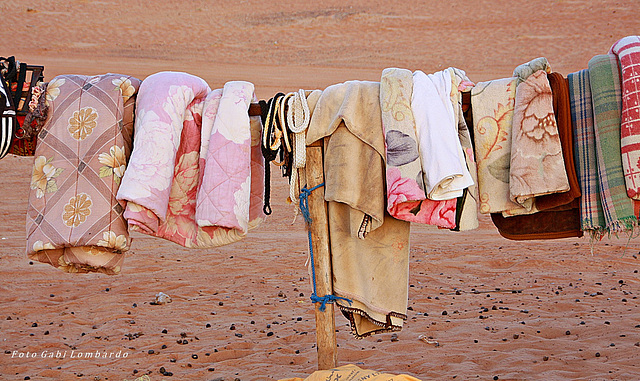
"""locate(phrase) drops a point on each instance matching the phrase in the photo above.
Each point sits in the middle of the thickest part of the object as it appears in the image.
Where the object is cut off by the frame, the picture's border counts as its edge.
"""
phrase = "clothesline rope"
(304, 208)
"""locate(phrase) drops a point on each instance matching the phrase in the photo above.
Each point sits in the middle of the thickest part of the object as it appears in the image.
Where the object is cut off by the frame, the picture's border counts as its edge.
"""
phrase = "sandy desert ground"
(499, 309)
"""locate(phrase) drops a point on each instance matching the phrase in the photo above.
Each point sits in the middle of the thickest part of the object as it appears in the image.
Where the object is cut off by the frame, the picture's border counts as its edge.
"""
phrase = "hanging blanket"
(347, 116)
(73, 219)
(492, 106)
(628, 51)
(372, 272)
(161, 201)
(160, 115)
(604, 80)
(591, 212)
(562, 111)
(445, 172)
(406, 197)
(227, 171)
(354, 159)
(537, 166)
(467, 207)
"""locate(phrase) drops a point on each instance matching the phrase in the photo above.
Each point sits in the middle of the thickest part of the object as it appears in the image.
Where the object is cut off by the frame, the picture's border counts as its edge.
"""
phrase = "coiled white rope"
(298, 118)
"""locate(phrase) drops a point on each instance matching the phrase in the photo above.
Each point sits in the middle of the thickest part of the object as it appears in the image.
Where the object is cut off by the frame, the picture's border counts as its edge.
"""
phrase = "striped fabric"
(591, 214)
(627, 50)
(6, 135)
(7, 125)
(606, 94)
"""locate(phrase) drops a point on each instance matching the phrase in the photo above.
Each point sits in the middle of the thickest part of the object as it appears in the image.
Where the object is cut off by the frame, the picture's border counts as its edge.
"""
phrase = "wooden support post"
(325, 320)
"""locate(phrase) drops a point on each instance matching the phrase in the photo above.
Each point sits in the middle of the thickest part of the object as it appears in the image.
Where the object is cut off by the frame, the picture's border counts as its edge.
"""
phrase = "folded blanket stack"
(406, 193)
(170, 191)
(562, 111)
(524, 142)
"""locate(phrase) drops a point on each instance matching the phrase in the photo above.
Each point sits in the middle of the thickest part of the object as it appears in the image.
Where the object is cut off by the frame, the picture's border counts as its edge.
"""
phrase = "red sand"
(516, 310)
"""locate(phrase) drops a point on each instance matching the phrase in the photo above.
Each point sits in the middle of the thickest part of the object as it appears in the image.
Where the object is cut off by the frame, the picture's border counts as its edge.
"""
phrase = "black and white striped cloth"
(7, 124)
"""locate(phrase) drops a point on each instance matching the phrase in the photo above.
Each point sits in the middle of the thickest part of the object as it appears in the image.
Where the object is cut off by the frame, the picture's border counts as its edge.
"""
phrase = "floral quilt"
(74, 221)
(166, 173)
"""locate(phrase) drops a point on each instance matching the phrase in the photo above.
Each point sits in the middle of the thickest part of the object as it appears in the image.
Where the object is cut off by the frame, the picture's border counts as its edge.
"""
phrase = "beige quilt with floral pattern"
(74, 221)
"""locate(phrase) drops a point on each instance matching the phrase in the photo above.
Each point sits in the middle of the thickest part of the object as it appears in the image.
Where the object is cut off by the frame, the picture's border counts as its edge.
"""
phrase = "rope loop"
(304, 201)
(304, 207)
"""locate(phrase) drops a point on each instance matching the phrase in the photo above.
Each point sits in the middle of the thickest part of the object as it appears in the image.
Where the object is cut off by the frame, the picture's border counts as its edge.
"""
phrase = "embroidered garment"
(162, 188)
(606, 95)
(347, 117)
(537, 166)
(628, 51)
(73, 219)
(406, 197)
(444, 167)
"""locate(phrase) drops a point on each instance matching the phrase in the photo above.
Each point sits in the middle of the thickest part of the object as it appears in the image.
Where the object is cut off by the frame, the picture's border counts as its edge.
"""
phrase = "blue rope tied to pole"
(304, 208)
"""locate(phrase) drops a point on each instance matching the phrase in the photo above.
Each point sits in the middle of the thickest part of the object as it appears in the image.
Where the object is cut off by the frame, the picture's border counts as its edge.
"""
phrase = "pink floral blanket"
(171, 191)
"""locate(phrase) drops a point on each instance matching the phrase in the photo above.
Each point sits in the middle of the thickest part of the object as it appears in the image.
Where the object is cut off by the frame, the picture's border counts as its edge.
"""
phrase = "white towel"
(445, 171)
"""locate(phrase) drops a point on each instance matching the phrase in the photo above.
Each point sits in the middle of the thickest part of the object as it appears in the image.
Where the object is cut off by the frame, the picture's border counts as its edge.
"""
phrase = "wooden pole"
(325, 320)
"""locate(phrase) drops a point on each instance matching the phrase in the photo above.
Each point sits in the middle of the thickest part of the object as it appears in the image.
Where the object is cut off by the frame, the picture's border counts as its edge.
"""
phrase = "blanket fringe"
(385, 327)
(627, 225)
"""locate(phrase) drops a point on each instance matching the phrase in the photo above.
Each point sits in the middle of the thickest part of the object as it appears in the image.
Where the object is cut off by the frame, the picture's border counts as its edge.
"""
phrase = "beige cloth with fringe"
(371, 271)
